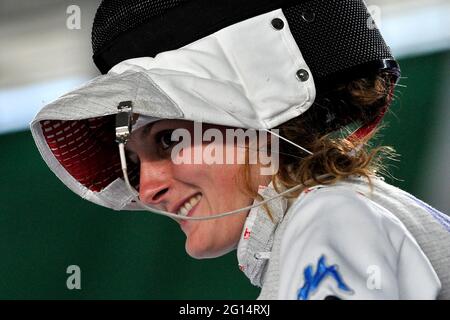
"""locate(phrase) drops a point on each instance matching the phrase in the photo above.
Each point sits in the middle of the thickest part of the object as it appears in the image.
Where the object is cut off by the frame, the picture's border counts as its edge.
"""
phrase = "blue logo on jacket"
(312, 282)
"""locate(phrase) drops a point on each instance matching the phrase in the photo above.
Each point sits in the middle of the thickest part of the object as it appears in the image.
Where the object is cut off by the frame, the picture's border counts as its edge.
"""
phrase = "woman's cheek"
(200, 241)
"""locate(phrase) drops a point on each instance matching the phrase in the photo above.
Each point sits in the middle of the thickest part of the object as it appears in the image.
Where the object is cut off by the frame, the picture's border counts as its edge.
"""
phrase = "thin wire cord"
(249, 125)
(272, 151)
(289, 141)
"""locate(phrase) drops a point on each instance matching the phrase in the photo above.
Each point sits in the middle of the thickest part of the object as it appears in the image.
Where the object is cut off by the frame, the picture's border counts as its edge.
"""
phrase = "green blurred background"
(44, 227)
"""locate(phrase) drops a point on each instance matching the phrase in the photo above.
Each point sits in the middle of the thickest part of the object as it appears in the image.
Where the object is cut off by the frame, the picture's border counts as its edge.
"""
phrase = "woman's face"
(191, 188)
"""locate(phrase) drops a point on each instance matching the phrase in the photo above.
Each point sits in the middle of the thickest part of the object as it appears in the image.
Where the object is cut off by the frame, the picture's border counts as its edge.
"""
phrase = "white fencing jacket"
(345, 242)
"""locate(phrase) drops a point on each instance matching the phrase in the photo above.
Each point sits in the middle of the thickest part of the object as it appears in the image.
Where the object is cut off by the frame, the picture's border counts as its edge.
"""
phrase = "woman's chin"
(202, 252)
(197, 252)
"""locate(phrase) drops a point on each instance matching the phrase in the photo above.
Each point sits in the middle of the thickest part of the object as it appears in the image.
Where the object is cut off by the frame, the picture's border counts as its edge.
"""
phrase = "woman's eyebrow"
(146, 130)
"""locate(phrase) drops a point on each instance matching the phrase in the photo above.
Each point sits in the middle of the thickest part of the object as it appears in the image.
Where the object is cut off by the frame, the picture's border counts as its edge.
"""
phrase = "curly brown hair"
(324, 129)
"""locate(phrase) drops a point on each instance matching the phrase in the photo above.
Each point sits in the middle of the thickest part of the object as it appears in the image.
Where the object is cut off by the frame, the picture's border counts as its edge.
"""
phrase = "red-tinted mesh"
(87, 150)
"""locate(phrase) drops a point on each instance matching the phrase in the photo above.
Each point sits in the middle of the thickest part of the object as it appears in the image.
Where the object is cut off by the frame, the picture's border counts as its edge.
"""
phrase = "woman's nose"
(154, 184)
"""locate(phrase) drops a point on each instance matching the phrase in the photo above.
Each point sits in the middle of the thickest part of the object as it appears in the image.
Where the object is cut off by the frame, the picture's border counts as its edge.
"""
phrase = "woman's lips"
(190, 213)
(183, 203)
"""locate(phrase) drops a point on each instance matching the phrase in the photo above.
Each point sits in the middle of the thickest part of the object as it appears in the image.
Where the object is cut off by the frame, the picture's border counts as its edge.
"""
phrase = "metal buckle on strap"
(124, 121)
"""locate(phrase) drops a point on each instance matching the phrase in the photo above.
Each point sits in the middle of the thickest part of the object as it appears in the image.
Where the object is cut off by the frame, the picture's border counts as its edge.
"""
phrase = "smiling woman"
(192, 188)
(304, 72)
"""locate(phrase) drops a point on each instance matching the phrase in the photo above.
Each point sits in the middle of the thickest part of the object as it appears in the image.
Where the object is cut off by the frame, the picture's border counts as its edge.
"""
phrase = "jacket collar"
(257, 236)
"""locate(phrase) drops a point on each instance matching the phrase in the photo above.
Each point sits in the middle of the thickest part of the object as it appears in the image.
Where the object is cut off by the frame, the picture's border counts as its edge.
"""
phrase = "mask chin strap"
(289, 141)
(123, 132)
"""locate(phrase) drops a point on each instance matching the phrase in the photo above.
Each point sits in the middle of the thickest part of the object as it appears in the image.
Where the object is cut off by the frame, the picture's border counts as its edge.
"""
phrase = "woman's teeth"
(188, 205)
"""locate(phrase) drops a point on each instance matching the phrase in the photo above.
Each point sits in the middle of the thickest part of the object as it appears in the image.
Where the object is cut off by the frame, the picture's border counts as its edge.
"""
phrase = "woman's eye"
(164, 139)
